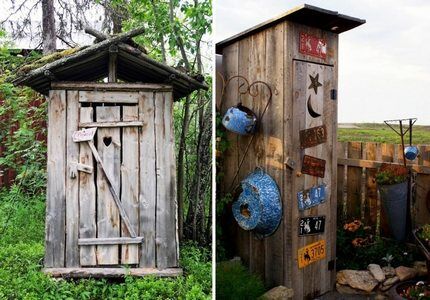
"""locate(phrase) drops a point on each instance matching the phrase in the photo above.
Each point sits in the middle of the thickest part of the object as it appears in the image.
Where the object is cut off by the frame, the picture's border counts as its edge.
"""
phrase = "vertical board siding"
(273, 142)
(147, 180)
(108, 221)
(87, 197)
(72, 182)
(130, 182)
(257, 155)
(56, 194)
(166, 243)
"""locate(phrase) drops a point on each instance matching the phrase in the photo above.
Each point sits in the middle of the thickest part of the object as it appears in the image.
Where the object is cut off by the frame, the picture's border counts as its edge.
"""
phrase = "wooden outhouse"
(296, 54)
(111, 195)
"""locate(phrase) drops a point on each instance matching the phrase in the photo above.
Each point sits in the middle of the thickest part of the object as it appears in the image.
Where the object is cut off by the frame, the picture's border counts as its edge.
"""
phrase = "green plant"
(358, 255)
(388, 259)
(424, 233)
(418, 291)
(233, 281)
(391, 174)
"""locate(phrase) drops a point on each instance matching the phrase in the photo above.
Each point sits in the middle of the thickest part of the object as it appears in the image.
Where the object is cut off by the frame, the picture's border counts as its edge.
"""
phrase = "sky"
(384, 65)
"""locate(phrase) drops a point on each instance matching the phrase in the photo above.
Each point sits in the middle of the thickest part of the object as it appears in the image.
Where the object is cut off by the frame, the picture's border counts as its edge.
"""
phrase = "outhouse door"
(120, 184)
(315, 124)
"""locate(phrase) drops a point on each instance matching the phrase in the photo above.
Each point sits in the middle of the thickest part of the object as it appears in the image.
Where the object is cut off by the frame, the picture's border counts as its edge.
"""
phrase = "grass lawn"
(381, 133)
(21, 256)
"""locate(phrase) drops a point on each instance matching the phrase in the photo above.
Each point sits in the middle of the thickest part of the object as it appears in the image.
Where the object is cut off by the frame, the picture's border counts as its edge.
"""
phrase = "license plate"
(312, 45)
(311, 197)
(313, 166)
(311, 253)
(313, 136)
(311, 225)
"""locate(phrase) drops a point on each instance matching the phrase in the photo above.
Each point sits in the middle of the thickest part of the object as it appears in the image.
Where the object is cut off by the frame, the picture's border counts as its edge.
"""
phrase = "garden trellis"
(111, 197)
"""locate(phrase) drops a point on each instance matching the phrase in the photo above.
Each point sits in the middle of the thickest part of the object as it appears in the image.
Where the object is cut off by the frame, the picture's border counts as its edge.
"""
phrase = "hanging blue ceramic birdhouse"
(411, 152)
(240, 119)
(258, 207)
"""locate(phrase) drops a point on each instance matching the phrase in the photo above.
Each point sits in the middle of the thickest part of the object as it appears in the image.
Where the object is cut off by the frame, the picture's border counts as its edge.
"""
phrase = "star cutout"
(314, 83)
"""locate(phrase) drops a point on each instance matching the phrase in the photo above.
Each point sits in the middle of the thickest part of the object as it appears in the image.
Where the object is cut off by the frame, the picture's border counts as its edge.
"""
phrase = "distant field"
(372, 132)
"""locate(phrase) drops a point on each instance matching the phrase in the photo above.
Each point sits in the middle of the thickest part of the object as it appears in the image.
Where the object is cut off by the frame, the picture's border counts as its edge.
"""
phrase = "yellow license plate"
(311, 253)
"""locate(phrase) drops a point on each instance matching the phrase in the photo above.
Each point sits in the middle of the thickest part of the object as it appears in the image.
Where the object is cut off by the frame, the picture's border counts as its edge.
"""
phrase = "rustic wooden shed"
(296, 54)
(111, 197)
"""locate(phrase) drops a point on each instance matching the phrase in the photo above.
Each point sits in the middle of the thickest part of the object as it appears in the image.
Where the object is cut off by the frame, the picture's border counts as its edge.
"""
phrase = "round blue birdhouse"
(411, 152)
(258, 207)
(240, 119)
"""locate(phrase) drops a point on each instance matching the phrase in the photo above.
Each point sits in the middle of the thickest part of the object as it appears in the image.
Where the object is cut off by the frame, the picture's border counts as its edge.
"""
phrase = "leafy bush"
(233, 281)
(391, 174)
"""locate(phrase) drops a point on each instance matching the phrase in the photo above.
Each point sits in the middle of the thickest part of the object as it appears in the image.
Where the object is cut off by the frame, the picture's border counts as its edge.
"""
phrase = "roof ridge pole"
(113, 53)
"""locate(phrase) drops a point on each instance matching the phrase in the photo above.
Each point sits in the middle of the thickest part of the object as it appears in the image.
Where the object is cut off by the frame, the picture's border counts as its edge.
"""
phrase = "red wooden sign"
(312, 45)
(313, 166)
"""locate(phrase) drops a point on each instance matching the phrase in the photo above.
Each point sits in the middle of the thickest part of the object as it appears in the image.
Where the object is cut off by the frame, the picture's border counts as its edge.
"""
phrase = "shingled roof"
(92, 63)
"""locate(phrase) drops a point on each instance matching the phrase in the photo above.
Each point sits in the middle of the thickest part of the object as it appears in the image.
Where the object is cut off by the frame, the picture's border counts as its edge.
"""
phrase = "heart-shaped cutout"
(107, 140)
(244, 210)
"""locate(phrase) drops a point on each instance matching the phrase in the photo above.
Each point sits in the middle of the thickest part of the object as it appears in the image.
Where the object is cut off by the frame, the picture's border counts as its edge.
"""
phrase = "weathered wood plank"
(111, 241)
(420, 208)
(72, 184)
(166, 233)
(108, 97)
(341, 174)
(56, 193)
(110, 272)
(109, 146)
(371, 193)
(365, 163)
(124, 87)
(112, 124)
(147, 179)
(273, 141)
(354, 183)
(87, 198)
(241, 65)
(130, 182)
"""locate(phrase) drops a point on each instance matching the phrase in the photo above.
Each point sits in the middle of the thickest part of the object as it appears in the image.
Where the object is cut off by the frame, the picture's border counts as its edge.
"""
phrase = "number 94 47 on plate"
(311, 253)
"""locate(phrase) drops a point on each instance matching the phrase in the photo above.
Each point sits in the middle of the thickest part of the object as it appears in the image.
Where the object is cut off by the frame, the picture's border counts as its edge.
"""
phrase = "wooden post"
(113, 53)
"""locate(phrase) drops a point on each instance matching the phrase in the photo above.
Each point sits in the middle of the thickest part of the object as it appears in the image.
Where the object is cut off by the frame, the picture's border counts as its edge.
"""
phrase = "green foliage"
(358, 258)
(21, 253)
(233, 281)
(424, 232)
(22, 126)
(381, 133)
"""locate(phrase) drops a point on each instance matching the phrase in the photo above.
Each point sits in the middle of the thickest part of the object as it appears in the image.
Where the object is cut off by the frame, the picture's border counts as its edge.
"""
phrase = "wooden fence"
(357, 192)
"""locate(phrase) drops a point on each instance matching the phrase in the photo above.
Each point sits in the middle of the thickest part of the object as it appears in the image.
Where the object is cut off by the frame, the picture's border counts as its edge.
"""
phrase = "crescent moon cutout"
(311, 110)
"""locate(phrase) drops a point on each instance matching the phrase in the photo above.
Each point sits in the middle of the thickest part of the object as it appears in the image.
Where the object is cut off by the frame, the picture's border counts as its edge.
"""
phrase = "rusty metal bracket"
(252, 90)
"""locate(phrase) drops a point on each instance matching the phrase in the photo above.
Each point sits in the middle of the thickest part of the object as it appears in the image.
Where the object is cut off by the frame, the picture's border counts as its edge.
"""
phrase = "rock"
(340, 278)
(421, 268)
(389, 272)
(361, 280)
(391, 281)
(347, 290)
(376, 272)
(405, 273)
(380, 297)
(278, 293)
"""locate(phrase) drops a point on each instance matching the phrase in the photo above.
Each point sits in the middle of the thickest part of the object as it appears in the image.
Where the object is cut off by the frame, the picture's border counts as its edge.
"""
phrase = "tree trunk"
(48, 27)
(181, 167)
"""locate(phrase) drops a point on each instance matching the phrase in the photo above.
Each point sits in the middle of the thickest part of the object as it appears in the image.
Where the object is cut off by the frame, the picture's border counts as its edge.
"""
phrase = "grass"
(233, 281)
(381, 133)
(21, 256)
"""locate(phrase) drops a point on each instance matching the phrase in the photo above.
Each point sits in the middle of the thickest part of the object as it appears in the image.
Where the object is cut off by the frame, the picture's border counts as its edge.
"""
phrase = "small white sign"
(84, 135)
